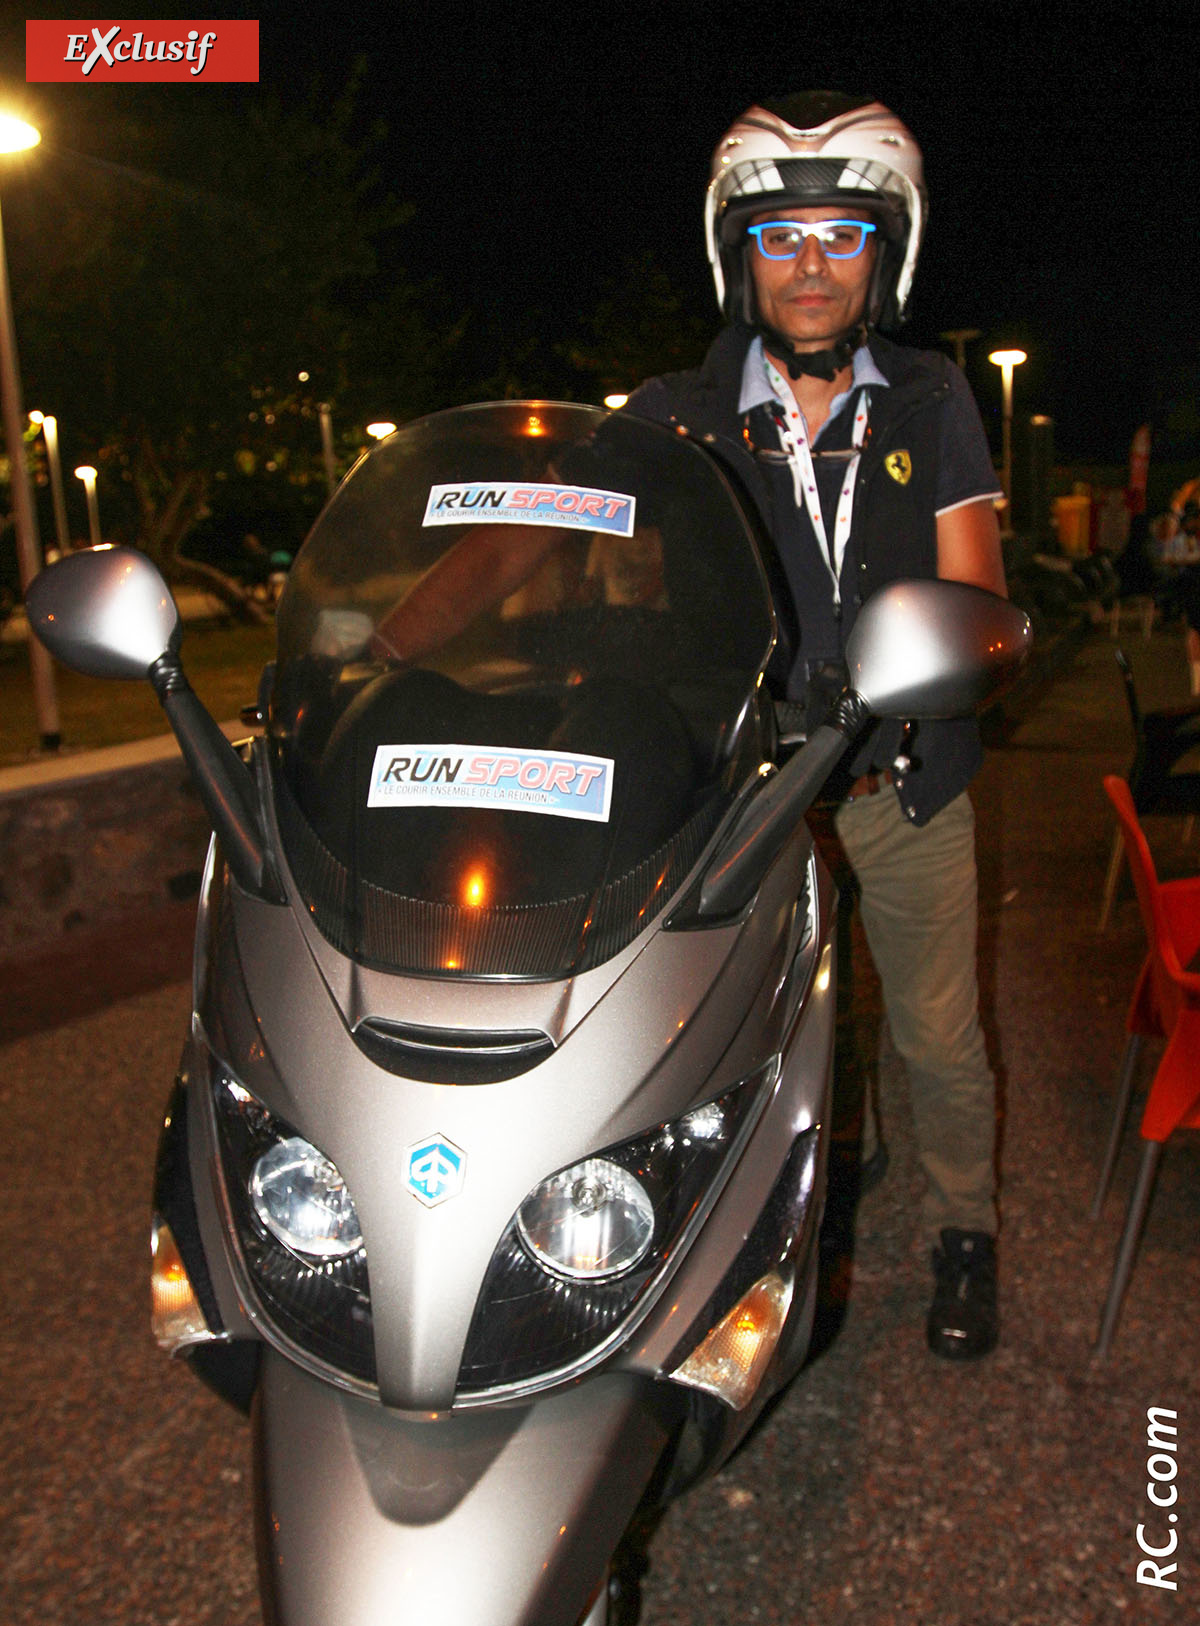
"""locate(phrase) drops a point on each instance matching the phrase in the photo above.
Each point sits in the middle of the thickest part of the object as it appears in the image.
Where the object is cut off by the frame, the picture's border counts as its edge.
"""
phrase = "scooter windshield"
(516, 689)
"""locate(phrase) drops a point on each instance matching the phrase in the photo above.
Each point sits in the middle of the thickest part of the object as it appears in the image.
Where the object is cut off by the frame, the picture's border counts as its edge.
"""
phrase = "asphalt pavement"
(886, 1486)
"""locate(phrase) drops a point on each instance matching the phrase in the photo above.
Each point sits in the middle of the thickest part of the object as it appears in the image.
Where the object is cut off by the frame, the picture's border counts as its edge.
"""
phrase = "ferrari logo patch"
(899, 466)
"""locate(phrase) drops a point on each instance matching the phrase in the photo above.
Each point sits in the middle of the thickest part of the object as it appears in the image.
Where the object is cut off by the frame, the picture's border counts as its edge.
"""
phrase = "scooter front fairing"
(488, 1135)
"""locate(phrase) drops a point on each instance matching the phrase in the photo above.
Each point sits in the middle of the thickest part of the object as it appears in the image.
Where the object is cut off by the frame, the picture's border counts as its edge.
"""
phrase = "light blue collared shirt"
(757, 391)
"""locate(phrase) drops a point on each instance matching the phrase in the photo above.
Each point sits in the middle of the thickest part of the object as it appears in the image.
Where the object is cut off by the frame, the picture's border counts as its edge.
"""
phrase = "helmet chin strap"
(826, 364)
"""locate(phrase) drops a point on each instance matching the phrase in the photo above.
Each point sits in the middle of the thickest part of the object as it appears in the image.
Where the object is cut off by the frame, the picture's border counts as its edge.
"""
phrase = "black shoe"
(963, 1321)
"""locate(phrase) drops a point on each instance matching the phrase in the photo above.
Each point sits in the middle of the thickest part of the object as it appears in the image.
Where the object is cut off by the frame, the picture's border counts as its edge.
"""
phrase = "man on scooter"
(868, 463)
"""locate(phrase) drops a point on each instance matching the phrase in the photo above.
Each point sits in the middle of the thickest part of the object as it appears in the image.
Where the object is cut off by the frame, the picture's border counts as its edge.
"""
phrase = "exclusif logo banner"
(106, 51)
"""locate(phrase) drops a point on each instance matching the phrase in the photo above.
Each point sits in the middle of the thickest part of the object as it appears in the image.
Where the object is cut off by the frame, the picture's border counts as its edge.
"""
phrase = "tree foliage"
(175, 279)
(180, 261)
(642, 326)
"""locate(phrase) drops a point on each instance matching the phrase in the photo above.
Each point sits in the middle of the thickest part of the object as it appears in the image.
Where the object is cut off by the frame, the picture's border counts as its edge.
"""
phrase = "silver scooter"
(492, 1179)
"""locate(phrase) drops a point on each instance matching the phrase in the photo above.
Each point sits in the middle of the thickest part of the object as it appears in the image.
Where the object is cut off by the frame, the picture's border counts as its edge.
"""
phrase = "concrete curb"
(65, 769)
(89, 838)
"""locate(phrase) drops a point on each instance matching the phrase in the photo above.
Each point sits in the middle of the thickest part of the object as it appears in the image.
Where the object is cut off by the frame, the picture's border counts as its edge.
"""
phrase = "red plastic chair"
(1166, 1005)
(1161, 739)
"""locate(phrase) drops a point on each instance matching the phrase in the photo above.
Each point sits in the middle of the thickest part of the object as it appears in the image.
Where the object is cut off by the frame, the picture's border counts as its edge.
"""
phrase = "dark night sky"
(1060, 144)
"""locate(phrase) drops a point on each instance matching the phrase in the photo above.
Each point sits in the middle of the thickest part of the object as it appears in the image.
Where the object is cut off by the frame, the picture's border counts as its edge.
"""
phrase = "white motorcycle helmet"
(811, 150)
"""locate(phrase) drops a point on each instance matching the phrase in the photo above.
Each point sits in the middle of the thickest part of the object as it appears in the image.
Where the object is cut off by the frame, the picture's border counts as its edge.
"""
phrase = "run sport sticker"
(576, 507)
(571, 787)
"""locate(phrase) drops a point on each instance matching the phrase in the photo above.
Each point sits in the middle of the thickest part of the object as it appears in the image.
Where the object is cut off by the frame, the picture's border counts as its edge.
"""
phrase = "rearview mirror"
(919, 650)
(108, 613)
(927, 649)
(104, 611)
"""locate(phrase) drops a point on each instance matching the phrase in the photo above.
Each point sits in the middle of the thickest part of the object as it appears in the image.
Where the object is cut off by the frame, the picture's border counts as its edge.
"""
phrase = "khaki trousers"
(919, 912)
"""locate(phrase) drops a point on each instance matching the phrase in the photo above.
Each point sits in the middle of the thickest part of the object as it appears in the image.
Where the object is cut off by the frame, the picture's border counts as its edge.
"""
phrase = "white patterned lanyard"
(794, 436)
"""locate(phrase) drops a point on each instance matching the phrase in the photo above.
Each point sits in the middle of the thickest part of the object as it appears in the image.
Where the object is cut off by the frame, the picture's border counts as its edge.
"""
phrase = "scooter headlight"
(296, 1231)
(302, 1200)
(587, 1246)
(592, 1221)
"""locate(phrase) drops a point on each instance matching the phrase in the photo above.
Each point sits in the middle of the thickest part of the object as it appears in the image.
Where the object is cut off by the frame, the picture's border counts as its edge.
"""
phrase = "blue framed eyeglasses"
(785, 239)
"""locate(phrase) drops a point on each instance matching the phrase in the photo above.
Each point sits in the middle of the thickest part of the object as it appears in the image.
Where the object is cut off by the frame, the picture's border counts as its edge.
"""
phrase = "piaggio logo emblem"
(899, 466)
(434, 1170)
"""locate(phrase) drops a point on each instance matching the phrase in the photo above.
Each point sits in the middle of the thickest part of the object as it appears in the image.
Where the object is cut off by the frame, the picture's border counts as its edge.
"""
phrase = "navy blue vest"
(893, 534)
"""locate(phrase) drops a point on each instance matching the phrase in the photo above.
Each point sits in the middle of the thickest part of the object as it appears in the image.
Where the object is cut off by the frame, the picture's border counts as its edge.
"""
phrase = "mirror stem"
(734, 875)
(225, 783)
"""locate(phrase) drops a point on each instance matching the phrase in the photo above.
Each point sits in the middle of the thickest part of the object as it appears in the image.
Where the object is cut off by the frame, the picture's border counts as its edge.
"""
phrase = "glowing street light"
(17, 136)
(1006, 360)
(381, 430)
(48, 424)
(615, 402)
(87, 474)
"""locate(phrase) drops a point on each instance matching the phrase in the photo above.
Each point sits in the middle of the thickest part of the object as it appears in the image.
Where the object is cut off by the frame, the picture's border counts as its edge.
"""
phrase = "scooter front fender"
(487, 1517)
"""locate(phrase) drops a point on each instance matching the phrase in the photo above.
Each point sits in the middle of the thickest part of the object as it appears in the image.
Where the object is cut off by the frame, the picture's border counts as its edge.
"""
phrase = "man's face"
(812, 299)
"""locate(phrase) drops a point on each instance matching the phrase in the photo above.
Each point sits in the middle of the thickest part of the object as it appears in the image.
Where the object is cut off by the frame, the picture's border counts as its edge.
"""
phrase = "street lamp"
(48, 424)
(87, 474)
(614, 403)
(381, 430)
(326, 420)
(17, 136)
(1006, 360)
